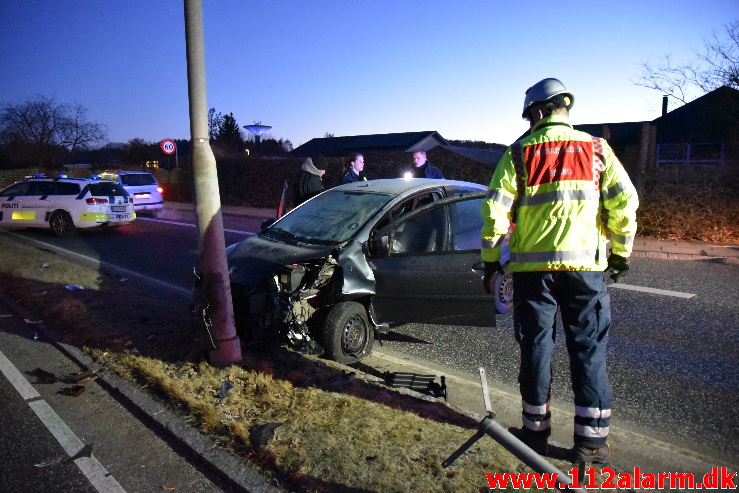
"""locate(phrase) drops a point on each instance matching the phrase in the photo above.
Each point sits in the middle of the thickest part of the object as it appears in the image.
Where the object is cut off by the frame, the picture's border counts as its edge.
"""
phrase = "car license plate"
(122, 216)
(118, 208)
(142, 195)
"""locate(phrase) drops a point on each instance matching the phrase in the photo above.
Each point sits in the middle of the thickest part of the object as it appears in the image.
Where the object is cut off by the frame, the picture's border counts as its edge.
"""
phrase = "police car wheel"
(61, 224)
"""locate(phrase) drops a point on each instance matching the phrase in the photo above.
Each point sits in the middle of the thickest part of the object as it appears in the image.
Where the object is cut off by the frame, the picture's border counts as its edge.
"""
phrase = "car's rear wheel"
(61, 224)
(347, 333)
(503, 290)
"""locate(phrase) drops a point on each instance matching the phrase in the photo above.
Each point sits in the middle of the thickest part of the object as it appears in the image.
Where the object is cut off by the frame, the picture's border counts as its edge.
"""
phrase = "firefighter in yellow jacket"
(554, 184)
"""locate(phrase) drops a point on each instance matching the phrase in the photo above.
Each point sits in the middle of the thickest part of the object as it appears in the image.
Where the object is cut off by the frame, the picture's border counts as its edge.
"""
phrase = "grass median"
(307, 424)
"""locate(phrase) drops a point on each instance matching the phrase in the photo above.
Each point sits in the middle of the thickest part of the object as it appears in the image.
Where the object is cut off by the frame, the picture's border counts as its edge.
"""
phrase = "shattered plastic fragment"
(32, 322)
(123, 279)
(35, 336)
(150, 337)
(73, 287)
(81, 376)
(225, 387)
(73, 391)
(43, 376)
(39, 293)
(49, 462)
(45, 264)
(260, 434)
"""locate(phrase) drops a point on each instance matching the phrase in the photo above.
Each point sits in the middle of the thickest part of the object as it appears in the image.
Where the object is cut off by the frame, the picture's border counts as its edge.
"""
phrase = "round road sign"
(168, 146)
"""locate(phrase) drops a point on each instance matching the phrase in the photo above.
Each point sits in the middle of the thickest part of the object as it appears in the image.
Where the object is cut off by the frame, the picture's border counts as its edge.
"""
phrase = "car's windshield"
(330, 218)
(107, 189)
(138, 180)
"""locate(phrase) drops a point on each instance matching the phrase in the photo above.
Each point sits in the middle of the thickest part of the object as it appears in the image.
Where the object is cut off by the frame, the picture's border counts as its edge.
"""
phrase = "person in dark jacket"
(308, 182)
(355, 168)
(423, 168)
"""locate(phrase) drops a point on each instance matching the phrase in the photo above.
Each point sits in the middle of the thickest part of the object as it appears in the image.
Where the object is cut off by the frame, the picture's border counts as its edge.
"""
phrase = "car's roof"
(397, 186)
(125, 173)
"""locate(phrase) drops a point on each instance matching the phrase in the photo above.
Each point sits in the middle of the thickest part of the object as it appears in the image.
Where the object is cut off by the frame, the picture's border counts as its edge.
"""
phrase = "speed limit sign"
(168, 146)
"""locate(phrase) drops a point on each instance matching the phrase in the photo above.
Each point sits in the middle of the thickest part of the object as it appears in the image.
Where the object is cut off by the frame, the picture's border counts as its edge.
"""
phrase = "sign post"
(169, 147)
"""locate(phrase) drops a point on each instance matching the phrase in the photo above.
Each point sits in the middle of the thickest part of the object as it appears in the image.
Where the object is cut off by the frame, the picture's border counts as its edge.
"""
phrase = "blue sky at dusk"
(348, 67)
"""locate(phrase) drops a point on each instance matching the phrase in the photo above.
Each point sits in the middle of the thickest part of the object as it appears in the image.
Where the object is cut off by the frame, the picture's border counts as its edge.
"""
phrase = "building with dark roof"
(396, 142)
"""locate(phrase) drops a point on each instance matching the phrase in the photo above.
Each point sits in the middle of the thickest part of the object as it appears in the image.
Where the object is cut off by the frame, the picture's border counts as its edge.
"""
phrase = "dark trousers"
(584, 305)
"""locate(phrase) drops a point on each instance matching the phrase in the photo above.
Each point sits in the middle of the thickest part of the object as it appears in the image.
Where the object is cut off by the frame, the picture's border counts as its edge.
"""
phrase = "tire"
(503, 291)
(61, 224)
(347, 333)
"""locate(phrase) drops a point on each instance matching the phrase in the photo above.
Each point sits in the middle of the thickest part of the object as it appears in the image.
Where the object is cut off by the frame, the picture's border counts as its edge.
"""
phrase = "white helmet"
(544, 90)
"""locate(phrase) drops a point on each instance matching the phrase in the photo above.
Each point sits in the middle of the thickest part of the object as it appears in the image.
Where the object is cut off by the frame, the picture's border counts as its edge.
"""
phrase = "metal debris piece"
(45, 265)
(123, 279)
(420, 383)
(225, 387)
(151, 336)
(74, 287)
(39, 293)
(32, 321)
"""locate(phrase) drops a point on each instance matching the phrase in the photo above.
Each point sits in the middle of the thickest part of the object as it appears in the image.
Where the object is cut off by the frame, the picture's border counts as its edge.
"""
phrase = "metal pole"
(207, 197)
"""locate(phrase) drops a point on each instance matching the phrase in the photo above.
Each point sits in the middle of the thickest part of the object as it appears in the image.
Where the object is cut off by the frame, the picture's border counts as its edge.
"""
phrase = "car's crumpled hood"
(255, 258)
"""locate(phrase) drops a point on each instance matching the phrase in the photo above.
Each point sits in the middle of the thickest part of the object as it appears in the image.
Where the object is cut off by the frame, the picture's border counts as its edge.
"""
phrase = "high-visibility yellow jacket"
(565, 179)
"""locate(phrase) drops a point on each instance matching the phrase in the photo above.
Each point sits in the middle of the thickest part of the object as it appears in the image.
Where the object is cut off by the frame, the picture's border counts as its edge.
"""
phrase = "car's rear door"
(430, 269)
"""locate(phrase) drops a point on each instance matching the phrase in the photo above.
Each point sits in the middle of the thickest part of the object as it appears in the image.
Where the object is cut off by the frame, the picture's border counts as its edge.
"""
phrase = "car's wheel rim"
(505, 290)
(354, 336)
(60, 224)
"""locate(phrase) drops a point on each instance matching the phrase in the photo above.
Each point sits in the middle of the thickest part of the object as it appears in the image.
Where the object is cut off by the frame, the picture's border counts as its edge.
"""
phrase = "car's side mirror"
(267, 223)
(379, 246)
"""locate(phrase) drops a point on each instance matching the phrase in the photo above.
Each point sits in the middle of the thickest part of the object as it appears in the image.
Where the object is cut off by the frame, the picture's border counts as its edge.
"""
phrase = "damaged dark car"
(346, 266)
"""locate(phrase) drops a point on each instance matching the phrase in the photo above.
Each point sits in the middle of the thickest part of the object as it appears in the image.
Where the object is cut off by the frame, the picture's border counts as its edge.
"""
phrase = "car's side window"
(422, 234)
(67, 189)
(466, 223)
(39, 188)
(17, 190)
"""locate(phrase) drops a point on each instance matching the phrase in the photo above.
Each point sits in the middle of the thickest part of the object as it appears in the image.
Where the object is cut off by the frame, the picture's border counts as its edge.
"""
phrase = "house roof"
(713, 117)
(341, 146)
(484, 156)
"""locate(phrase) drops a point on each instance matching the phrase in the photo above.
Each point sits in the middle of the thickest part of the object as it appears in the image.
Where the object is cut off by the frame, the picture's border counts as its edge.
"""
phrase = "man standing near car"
(422, 168)
(554, 183)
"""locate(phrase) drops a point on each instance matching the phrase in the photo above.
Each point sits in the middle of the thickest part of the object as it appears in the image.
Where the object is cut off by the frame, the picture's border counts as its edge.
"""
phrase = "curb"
(226, 466)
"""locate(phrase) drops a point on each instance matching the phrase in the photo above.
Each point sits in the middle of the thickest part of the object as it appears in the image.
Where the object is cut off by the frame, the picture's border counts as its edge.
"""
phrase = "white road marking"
(642, 289)
(191, 225)
(107, 265)
(95, 473)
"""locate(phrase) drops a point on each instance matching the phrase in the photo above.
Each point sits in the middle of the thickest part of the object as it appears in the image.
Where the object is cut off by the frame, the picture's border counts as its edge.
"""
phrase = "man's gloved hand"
(490, 269)
(618, 266)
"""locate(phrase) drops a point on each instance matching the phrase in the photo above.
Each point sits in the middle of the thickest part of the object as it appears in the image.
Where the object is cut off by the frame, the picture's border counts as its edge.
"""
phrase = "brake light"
(160, 190)
(97, 201)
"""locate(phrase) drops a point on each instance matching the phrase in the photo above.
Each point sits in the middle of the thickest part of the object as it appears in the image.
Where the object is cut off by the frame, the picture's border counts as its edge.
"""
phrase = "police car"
(65, 204)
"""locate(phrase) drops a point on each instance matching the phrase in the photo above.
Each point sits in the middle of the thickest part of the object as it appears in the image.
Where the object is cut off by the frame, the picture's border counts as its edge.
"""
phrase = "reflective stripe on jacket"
(566, 179)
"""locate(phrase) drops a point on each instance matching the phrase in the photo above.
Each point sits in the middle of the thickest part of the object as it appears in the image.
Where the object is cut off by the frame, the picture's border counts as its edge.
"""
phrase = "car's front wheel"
(503, 291)
(61, 224)
(347, 333)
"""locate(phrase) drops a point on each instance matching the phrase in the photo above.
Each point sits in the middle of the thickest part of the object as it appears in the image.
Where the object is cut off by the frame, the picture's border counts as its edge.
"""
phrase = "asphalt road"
(672, 360)
(52, 441)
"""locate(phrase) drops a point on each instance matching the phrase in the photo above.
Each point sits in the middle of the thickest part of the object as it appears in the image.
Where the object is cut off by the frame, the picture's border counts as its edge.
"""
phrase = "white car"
(142, 186)
(65, 204)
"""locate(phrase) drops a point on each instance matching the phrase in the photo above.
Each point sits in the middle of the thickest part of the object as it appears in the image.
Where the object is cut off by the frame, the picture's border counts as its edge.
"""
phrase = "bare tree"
(717, 65)
(48, 128)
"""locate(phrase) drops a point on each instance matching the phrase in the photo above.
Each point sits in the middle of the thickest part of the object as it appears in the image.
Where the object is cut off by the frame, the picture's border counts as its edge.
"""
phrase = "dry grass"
(338, 433)
(690, 212)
